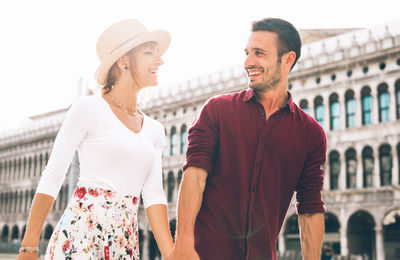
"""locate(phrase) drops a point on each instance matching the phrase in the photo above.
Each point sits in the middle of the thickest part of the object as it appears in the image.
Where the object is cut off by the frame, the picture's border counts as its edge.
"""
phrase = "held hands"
(181, 252)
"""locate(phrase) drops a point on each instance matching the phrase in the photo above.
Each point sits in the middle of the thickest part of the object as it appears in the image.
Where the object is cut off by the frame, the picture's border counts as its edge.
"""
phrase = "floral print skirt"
(97, 224)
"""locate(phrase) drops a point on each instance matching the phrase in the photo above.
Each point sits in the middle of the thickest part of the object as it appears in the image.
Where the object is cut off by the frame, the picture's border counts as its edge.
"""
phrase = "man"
(247, 154)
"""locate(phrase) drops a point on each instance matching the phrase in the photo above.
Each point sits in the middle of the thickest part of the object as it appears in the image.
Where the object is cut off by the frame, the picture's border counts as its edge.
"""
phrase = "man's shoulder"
(307, 121)
(226, 99)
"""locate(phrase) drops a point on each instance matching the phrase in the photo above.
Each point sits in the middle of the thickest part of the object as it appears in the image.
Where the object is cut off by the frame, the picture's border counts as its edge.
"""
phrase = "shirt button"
(262, 138)
(253, 189)
(262, 113)
(257, 163)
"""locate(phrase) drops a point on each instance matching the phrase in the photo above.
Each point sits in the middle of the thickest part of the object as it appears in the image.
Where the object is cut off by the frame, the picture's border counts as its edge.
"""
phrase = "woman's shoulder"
(156, 126)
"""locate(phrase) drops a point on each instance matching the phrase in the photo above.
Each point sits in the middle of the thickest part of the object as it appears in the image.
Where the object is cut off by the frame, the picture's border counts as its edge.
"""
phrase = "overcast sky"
(47, 46)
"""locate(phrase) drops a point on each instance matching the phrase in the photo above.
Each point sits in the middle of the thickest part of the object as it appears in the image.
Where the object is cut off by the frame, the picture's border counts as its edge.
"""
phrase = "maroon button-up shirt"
(254, 166)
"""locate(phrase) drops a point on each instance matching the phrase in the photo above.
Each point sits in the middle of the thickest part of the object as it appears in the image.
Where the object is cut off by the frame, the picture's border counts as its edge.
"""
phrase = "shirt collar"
(251, 95)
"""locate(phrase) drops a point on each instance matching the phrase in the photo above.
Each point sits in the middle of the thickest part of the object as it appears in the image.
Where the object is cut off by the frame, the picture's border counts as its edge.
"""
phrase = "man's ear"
(289, 58)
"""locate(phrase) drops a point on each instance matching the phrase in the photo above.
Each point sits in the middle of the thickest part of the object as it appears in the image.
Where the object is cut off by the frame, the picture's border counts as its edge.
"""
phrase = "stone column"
(380, 253)
(392, 100)
(342, 175)
(358, 117)
(375, 105)
(327, 119)
(282, 245)
(344, 249)
(376, 175)
(342, 116)
(327, 180)
(395, 167)
(359, 178)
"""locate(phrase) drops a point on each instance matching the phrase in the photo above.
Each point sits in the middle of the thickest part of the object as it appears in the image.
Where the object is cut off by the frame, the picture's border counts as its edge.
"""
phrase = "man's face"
(262, 64)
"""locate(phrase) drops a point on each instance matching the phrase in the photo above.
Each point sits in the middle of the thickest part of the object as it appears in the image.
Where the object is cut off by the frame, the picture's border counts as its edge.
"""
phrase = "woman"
(119, 151)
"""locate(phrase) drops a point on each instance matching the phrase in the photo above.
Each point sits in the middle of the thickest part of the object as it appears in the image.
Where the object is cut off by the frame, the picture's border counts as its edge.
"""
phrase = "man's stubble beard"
(270, 83)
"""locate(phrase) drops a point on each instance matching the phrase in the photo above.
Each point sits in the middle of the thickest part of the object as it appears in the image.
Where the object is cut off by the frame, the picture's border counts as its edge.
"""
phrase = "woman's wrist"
(29, 249)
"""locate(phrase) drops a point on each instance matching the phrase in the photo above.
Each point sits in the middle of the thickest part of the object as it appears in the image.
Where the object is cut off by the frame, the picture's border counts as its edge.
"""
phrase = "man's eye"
(258, 52)
(148, 52)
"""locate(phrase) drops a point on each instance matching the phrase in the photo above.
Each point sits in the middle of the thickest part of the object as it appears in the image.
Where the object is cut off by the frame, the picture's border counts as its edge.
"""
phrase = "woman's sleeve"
(70, 135)
(153, 192)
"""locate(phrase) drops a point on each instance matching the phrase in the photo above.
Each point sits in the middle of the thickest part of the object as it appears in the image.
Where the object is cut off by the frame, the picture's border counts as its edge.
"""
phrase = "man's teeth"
(254, 73)
(153, 71)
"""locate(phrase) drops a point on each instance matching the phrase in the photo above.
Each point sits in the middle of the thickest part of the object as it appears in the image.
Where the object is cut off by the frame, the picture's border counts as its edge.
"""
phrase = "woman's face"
(144, 62)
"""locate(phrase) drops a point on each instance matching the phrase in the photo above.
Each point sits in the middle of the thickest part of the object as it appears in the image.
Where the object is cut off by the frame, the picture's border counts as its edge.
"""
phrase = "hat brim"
(161, 37)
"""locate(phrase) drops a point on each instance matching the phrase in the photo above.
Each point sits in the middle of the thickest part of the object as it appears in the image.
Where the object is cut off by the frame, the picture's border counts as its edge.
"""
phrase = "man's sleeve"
(311, 179)
(203, 139)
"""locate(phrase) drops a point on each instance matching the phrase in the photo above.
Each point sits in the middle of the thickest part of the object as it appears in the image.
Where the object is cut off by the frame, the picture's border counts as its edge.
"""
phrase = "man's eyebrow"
(258, 49)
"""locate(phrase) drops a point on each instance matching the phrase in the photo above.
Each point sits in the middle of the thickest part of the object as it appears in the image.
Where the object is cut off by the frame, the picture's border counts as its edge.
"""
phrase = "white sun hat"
(122, 37)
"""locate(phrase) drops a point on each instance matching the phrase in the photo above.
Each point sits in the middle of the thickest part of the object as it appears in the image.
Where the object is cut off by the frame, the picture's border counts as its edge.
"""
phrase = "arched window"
(304, 105)
(30, 167)
(19, 168)
(24, 170)
(397, 89)
(171, 186)
(384, 102)
(183, 139)
(4, 233)
(319, 110)
(23, 231)
(350, 109)
(48, 231)
(21, 198)
(15, 206)
(180, 173)
(368, 166)
(10, 202)
(366, 106)
(166, 146)
(40, 164)
(60, 199)
(334, 111)
(9, 169)
(46, 158)
(14, 232)
(15, 170)
(26, 201)
(385, 161)
(398, 160)
(351, 168)
(334, 168)
(174, 142)
(1, 203)
(34, 165)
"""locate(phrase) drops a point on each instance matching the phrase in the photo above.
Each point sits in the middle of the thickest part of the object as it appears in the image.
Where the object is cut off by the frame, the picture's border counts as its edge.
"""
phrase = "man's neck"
(272, 100)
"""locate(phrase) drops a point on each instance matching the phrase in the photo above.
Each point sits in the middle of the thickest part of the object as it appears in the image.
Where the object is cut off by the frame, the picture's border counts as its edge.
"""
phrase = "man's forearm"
(189, 203)
(312, 228)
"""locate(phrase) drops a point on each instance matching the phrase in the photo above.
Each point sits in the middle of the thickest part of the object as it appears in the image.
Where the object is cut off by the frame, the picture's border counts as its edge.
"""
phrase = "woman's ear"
(123, 63)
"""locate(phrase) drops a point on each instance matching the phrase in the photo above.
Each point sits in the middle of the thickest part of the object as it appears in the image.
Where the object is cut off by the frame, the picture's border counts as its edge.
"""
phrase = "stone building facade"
(349, 82)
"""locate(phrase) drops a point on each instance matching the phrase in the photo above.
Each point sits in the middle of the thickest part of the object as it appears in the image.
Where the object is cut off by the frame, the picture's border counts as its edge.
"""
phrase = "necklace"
(124, 108)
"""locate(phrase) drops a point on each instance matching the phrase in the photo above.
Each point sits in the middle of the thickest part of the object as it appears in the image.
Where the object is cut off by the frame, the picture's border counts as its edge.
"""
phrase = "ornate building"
(350, 82)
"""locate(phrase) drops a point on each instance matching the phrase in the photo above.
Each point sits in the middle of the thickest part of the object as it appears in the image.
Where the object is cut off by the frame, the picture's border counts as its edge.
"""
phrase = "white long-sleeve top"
(111, 155)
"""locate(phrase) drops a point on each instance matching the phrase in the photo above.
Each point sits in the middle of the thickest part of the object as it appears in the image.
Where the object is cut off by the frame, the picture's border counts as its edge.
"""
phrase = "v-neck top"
(111, 155)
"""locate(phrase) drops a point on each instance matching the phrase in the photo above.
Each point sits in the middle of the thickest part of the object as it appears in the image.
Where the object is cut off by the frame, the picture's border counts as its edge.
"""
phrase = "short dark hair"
(288, 36)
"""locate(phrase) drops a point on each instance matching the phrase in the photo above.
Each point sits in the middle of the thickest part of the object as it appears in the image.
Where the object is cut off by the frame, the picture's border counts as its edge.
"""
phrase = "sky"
(47, 46)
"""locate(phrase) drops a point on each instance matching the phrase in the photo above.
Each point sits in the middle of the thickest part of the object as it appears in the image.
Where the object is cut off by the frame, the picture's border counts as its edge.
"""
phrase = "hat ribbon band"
(127, 41)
